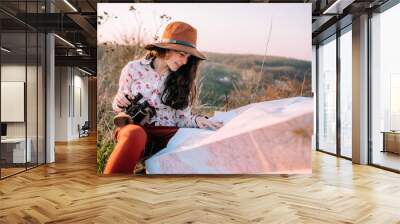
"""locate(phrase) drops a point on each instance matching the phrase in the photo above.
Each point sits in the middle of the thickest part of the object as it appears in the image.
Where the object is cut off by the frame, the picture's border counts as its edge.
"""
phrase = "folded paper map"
(272, 137)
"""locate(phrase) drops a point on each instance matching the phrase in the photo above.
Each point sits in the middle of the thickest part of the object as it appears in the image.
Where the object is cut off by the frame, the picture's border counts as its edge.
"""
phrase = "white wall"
(70, 83)
(14, 73)
(80, 81)
(61, 103)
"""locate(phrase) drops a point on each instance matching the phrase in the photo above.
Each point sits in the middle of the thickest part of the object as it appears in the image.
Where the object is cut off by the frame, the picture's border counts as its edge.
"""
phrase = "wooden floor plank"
(70, 191)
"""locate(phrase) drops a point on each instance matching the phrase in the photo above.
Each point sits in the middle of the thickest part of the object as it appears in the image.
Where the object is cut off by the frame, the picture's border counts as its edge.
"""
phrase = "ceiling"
(74, 24)
(329, 16)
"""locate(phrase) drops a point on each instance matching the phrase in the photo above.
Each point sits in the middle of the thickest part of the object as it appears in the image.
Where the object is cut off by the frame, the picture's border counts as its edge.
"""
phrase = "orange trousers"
(131, 143)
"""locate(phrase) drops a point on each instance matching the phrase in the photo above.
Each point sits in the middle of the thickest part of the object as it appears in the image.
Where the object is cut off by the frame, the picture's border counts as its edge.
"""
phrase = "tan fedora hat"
(179, 36)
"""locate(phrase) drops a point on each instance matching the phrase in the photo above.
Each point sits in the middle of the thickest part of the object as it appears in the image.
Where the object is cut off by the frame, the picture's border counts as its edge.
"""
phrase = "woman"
(165, 78)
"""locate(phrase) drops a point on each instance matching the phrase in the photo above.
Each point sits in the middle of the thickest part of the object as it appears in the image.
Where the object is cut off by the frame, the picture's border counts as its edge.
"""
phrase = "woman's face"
(175, 59)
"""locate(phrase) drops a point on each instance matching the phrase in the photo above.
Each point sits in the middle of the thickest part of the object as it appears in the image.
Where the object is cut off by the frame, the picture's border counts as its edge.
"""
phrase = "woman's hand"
(204, 123)
(122, 100)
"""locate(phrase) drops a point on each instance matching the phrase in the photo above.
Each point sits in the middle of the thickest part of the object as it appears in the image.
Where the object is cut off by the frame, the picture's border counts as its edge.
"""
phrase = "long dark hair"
(179, 86)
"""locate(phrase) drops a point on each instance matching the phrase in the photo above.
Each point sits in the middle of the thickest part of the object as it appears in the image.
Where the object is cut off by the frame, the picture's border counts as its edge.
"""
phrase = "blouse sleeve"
(185, 118)
(126, 79)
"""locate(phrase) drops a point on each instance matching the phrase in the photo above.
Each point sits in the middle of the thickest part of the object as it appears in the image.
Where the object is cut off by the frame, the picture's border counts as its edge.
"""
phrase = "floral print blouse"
(139, 77)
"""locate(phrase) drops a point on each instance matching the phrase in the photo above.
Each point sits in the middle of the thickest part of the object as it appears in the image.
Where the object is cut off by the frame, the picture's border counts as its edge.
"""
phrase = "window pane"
(385, 88)
(346, 94)
(327, 97)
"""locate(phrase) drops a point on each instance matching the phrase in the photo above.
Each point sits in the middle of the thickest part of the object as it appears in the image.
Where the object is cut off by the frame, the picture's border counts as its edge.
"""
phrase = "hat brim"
(177, 47)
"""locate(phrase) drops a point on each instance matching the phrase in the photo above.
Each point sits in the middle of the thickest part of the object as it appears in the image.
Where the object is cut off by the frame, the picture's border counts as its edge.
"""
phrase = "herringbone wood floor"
(69, 191)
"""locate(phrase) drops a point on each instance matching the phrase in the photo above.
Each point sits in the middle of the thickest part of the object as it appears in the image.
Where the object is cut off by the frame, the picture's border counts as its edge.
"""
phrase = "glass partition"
(13, 94)
(41, 85)
(22, 90)
(31, 97)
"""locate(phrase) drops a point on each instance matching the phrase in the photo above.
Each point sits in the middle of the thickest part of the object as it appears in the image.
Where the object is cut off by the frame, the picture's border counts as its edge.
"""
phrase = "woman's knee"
(132, 132)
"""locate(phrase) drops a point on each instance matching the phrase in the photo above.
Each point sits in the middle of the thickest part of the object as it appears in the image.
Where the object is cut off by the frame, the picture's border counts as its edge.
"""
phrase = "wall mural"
(204, 88)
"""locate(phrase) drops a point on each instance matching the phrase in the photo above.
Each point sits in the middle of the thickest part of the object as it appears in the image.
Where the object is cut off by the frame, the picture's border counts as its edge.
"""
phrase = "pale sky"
(240, 28)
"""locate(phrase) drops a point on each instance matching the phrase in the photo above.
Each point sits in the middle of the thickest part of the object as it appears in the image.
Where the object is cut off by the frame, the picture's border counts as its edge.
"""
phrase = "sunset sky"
(240, 28)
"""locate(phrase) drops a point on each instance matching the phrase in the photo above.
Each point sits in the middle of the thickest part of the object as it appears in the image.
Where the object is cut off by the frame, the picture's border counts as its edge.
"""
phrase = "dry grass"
(111, 59)
(249, 88)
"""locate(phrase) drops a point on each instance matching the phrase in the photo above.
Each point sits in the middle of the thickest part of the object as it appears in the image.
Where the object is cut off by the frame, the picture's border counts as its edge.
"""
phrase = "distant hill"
(220, 72)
